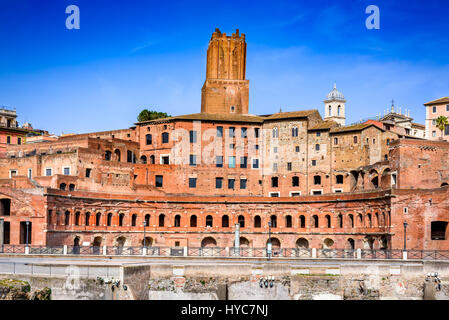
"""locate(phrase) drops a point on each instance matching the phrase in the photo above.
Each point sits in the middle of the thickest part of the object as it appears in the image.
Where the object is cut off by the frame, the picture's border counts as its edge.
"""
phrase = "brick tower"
(225, 89)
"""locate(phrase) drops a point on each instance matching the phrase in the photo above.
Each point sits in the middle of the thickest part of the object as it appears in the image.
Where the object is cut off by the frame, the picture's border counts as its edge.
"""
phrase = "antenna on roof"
(280, 109)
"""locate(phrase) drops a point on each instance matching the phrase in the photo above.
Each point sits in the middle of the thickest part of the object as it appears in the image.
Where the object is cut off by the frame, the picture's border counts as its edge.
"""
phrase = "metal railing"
(241, 252)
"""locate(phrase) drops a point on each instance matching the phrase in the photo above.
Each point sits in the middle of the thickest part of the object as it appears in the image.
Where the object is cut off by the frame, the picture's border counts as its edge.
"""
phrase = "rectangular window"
(318, 134)
(294, 131)
(297, 149)
(446, 130)
(434, 109)
(317, 147)
(232, 162)
(219, 132)
(30, 173)
(192, 160)
(275, 149)
(244, 133)
(231, 183)
(242, 183)
(256, 147)
(232, 146)
(274, 194)
(231, 132)
(8, 140)
(243, 162)
(165, 160)
(256, 132)
(255, 163)
(192, 136)
(218, 183)
(219, 161)
(88, 171)
(66, 171)
(355, 139)
(434, 122)
(48, 172)
(275, 167)
(12, 173)
(19, 140)
(165, 137)
(192, 183)
(313, 162)
(159, 181)
(447, 107)
(289, 166)
(274, 182)
(295, 194)
(335, 141)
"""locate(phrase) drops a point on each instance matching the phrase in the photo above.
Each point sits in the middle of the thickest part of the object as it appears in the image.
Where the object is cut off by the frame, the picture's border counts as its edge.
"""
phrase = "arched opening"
(177, 221)
(62, 186)
(302, 221)
(209, 221)
(109, 222)
(360, 220)
(351, 220)
(67, 218)
(353, 179)
(152, 159)
(386, 179)
(134, 220)
(118, 155)
(107, 155)
(149, 139)
(225, 221)
(241, 221)
(273, 220)
(244, 242)
(275, 243)
(121, 219)
(71, 187)
(147, 242)
(76, 245)
(369, 222)
(87, 219)
(340, 220)
(350, 244)
(376, 222)
(315, 222)
(374, 178)
(193, 221)
(120, 243)
(328, 243)
(444, 184)
(97, 244)
(161, 220)
(143, 159)
(288, 221)
(77, 218)
(208, 242)
(257, 222)
(302, 243)
(368, 243)
(147, 220)
(98, 219)
(328, 221)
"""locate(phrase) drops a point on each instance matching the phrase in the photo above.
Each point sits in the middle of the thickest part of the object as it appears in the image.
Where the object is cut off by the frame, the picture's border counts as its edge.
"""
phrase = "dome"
(335, 95)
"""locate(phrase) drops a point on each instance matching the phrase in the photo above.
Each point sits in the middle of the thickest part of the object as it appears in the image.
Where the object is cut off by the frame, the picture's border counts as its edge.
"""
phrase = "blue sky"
(135, 54)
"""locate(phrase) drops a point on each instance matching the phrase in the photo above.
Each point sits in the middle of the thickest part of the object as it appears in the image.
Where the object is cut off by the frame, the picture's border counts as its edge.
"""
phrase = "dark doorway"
(6, 232)
(5, 207)
(25, 232)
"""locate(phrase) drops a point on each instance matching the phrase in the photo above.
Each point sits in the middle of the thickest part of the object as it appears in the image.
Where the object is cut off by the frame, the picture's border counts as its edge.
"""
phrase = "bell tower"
(334, 106)
(225, 90)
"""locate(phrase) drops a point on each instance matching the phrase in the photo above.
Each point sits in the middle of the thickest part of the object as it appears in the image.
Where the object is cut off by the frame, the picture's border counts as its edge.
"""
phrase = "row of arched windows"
(369, 221)
(165, 137)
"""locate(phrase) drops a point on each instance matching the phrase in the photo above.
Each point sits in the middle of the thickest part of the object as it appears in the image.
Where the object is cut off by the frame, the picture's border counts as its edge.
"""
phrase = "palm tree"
(442, 122)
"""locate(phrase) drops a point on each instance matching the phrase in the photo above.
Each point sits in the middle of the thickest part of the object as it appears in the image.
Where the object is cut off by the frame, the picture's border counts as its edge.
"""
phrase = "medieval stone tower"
(334, 107)
(225, 90)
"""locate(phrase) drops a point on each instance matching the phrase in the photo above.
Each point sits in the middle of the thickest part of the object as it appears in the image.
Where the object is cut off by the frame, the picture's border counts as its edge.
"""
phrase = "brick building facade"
(191, 178)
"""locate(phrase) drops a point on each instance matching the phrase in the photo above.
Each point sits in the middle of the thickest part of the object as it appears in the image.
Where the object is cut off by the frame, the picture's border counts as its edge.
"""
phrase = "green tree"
(146, 115)
(442, 122)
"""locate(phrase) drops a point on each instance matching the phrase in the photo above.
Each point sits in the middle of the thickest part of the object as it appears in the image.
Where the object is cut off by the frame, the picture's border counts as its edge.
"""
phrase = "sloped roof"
(327, 124)
(288, 115)
(441, 100)
(355, 127)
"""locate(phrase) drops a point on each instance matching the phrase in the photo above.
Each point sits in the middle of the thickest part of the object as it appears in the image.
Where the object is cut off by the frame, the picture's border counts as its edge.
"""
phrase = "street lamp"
(405, 235)
(269, 248)
(26, 237)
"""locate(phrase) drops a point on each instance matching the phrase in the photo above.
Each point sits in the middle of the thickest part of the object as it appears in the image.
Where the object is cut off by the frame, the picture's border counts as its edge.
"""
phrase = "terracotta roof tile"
(327, 124)
(355, 127)
(441, 100)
